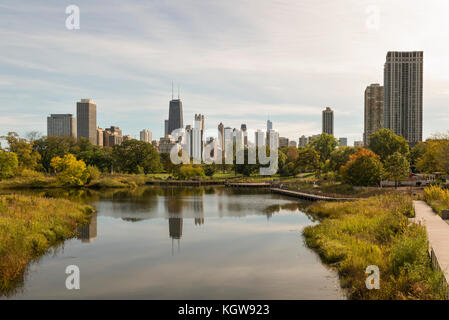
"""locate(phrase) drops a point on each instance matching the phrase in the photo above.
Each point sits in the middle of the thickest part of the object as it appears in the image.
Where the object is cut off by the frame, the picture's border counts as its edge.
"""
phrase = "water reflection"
(88, 232)
(250, 247)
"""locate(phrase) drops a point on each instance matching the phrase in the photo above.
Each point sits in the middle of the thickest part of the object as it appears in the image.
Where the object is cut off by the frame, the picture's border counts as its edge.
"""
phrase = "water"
(186, 243)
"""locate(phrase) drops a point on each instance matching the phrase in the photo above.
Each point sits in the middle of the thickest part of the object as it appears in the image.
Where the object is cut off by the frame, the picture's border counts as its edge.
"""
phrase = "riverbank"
(376, 231)
(29, 226)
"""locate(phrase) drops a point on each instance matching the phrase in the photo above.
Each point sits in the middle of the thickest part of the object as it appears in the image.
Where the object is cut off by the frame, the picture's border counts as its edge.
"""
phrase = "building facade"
(328, 121)
(175, 117)
(61, 125)
(403, 94)
(374, 110)
(86, 114)
(145, 135)
(343, 142)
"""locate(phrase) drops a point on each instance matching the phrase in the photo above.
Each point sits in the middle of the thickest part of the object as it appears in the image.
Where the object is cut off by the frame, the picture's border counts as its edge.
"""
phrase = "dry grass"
(29, 226)
(375, 231)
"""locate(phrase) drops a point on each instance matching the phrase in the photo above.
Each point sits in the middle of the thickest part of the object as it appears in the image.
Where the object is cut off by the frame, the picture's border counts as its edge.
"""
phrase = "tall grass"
(375, 231)
(437, 198)
(29, 226)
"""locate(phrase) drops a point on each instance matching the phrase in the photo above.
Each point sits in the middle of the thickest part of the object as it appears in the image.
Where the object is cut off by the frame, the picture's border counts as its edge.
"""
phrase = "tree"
(188, 171)
(364, 168)
(292, 154)
(69, 171)
(308, 160)
(210, 169)
(324, 145)
(339, 157)
(384, 143)
(28, 158)
(52, 147)
(416, 153)
(8, 164)
(132, 154)
(397, 167)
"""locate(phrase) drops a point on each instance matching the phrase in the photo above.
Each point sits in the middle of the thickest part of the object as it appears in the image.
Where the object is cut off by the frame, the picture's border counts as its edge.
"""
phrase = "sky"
(235, 61)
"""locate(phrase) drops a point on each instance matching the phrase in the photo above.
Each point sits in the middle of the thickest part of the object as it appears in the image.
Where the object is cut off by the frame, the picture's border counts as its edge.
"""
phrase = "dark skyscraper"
(175, 115)
(374, 111)
(403, 94)
(86, 114)
(328, 121)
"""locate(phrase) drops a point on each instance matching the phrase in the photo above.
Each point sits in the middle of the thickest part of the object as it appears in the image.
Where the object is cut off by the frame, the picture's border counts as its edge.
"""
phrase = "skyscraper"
(221, 136)
(145, 135)
(403, 94)
(269, 125)
(61, 125)
(165, 128)
(86, 114)
(328, 121)
(244, 129)
(374, 111)
(175, 118)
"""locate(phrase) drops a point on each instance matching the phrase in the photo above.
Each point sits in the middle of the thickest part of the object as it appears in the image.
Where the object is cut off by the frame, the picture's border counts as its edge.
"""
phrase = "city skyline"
(253, 70)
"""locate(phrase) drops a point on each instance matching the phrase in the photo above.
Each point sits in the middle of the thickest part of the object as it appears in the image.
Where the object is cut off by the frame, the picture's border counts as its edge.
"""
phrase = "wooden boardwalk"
(308, 196)
(437, 234)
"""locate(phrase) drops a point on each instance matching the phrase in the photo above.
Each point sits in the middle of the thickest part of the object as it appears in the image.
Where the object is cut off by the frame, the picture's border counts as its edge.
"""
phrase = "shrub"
(8, 164)
(94, 173)
(363, 169)
(69, 171)
(437, 198)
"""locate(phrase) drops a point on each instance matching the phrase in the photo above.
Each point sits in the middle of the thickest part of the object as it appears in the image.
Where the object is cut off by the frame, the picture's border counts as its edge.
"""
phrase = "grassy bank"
(437, 198)
(354, 235)
(29, 226)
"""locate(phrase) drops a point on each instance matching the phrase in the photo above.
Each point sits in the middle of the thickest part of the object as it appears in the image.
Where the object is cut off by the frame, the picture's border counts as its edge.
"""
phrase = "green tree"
(396, 168)
(340, 156)
(416, 153)
(364, 168)
(210, 169)
(384, 143)
(51, 147)
(8, 164)
(69, 171)
(28, 158)
(188, 171)
(308, 160)
(324, 145)
(132, 154)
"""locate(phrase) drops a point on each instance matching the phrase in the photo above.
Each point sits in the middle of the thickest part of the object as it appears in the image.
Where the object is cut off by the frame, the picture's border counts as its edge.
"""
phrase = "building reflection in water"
(175, 231)
(88, 232)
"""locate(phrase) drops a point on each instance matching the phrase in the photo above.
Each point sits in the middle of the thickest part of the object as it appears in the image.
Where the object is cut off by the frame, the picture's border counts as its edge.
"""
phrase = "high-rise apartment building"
(259, 138)
(86, 114)
(302, 141)
(145, 135)
(374, 111)
(61, 125)
(403, 94)
(328, 121)
(244, 129)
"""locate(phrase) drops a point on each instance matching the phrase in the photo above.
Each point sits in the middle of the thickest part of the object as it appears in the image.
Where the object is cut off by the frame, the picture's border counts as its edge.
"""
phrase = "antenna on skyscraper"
(172, 90)
(178, 91)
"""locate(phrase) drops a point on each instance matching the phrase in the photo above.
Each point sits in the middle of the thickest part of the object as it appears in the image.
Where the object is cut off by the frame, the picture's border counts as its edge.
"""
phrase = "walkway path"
(438, 235)
(308, 196)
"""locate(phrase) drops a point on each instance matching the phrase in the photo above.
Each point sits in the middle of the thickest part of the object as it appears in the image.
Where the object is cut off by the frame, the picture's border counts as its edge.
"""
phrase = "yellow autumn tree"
(69, 171)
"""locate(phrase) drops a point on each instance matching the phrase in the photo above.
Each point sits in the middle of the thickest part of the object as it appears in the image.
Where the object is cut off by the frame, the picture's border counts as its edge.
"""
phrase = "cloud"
(236, 61)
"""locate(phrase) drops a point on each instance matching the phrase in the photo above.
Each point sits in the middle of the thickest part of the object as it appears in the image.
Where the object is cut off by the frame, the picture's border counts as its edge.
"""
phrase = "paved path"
(437, 233)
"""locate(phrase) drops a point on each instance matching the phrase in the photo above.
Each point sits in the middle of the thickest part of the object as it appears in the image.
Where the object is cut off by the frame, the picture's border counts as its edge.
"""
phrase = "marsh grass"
(437, 198)
(375, 231)
(29, 226)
